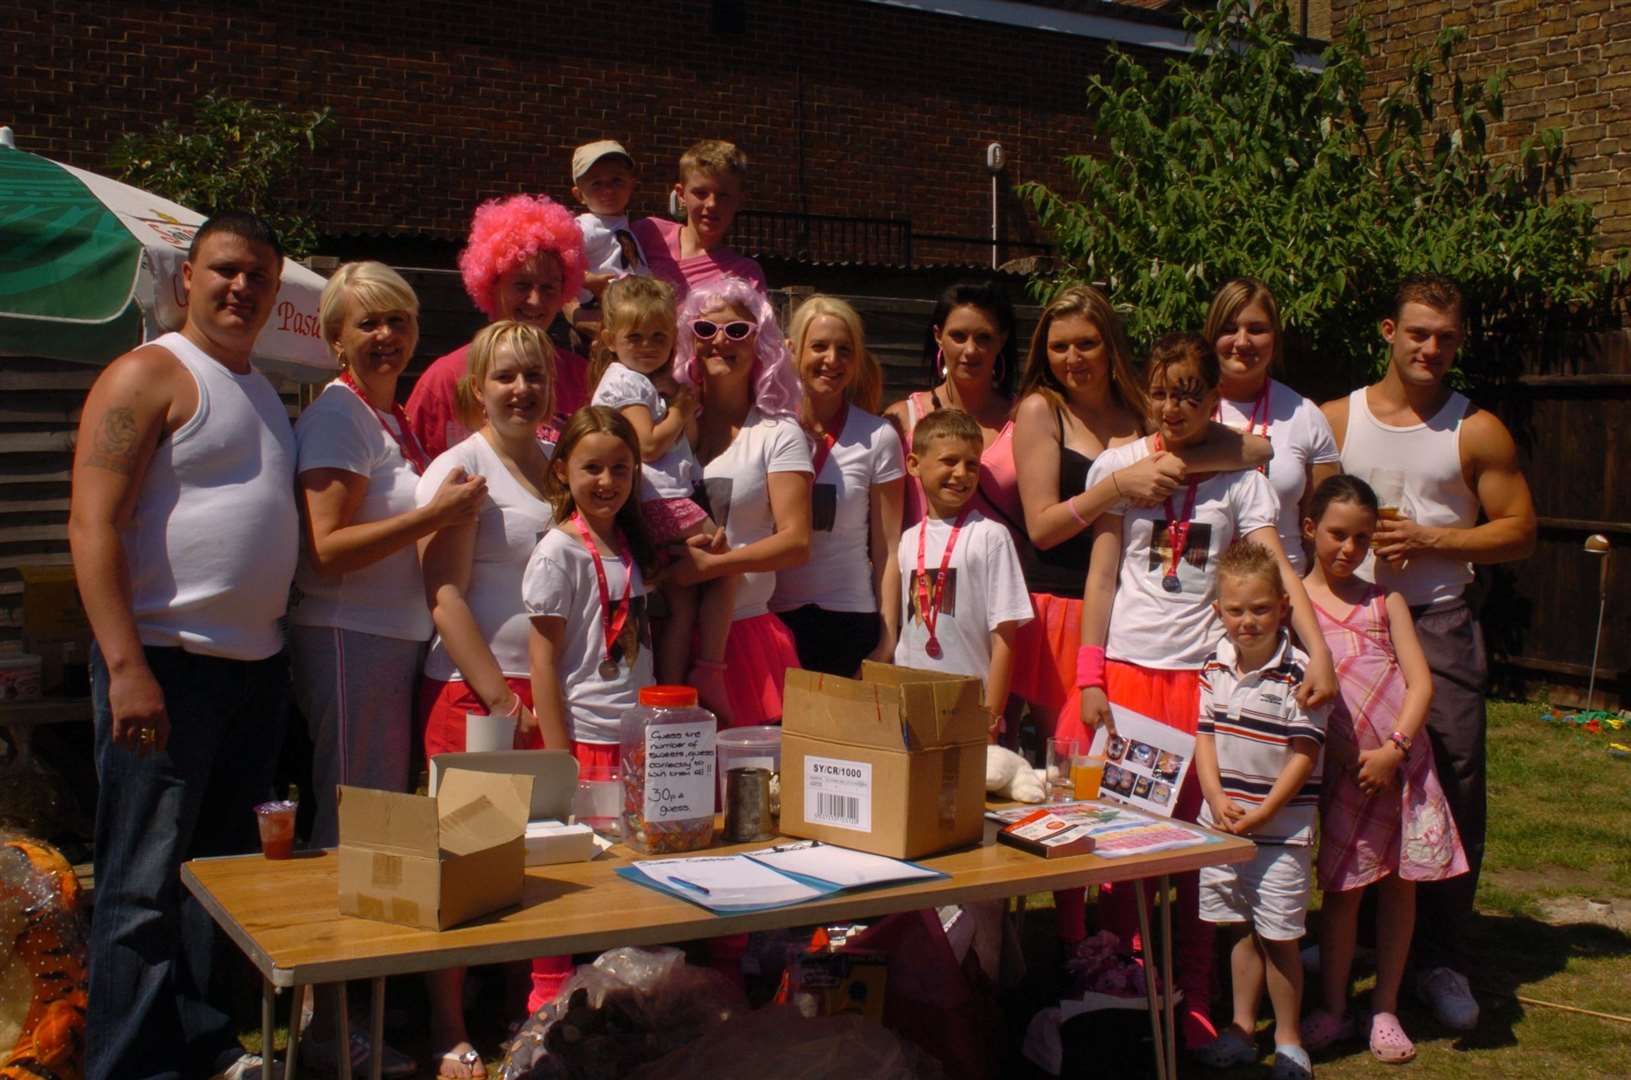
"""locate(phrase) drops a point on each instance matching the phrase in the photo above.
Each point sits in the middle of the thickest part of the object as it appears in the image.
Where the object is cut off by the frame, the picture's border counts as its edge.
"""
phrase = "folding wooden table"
(285, 917)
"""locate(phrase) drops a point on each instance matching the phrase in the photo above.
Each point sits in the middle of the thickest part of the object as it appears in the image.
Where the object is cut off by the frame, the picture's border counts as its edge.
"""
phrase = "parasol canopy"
(91, 268)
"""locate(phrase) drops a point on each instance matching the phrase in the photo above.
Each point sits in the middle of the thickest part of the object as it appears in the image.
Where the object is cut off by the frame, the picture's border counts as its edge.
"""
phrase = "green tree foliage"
(1239, 160)
(234, 154)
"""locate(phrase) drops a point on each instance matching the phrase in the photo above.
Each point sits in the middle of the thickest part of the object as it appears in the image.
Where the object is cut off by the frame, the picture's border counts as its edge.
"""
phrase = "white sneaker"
(1446, 991)
(247, 1067)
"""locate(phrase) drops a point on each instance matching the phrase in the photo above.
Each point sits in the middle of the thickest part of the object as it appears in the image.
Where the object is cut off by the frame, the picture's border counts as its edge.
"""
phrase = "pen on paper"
(703, 889)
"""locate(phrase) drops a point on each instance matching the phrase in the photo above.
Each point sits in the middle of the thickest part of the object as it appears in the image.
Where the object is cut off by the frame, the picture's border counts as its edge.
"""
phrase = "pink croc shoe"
(1388, 1042)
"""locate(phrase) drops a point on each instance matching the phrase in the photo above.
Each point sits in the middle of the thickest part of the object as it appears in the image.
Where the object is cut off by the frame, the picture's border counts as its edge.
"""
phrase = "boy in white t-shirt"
(963, 594)
(1257, 756)
(603, 180)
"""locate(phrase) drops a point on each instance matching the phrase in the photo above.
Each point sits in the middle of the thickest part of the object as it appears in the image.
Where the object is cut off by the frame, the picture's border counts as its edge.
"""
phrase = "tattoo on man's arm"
(116, 442)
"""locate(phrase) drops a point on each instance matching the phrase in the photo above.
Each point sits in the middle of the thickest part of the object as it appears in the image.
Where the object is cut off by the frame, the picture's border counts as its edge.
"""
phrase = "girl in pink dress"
(1383, 816)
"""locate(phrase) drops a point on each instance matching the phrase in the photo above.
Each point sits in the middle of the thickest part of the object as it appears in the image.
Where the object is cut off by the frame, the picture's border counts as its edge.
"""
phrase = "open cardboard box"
(434, 862)
(892, 763)
(553, 836)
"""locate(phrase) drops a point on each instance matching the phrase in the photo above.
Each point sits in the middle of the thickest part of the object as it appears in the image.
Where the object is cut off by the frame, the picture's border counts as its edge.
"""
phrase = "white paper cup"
(483, 732)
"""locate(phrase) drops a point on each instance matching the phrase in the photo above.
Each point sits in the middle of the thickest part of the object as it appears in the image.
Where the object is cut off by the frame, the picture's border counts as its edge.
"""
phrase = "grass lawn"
(1554, 924)
(1559, 836)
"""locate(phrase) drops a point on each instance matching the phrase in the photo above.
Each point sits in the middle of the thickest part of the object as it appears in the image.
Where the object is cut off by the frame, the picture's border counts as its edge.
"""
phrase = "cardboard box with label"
(434, 862)
(892, 763)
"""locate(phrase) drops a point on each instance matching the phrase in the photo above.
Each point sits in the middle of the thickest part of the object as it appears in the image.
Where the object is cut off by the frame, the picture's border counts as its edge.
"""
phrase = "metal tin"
(747, 805)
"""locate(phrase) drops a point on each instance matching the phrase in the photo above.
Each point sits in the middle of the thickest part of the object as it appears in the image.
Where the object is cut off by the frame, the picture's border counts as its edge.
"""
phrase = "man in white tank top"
(1439, 462)
(184, 533)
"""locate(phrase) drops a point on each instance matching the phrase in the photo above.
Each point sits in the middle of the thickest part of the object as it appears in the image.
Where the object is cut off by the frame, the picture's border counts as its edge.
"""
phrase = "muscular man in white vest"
(184, 534)
(1450, 470)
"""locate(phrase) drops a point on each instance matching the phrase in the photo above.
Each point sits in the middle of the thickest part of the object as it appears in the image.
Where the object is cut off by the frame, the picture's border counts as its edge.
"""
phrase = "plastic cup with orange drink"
(276, 820)
(1086, 774)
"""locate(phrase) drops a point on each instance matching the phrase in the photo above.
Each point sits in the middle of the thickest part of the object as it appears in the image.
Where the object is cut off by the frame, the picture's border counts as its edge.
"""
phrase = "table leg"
(268, 999)
(376, 1029)
(297, 1005)
(1167, 983)
(342, 1057)
(1149, 982)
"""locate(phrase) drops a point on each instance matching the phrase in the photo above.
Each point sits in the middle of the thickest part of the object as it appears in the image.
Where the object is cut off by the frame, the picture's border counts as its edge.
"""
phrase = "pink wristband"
(1090, 667)
(1070, 504)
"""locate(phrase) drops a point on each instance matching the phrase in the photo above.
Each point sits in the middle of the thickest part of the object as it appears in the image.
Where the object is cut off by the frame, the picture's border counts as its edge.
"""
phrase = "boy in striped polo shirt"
(1257, 758)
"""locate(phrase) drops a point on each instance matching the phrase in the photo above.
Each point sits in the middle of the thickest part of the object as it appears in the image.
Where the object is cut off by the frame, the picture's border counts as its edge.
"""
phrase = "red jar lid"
(668, 696)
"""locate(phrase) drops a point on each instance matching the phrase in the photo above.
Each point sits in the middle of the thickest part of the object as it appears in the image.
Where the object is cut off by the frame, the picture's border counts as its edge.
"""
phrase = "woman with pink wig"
(523, 260)
(756, 472)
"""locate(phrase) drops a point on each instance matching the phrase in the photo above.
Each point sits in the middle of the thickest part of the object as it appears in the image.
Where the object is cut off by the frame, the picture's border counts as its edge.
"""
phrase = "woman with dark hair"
(970, 347)
(1078, 397)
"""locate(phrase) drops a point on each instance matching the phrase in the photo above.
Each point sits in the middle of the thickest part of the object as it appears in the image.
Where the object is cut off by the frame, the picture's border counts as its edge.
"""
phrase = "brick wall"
(1569, 67)
(444, 103)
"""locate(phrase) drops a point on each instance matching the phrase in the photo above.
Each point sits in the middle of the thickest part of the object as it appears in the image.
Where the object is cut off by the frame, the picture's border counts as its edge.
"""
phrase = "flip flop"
(1321, 1028)
(1388, 1042)
(1229, 1050)
(468, 1059)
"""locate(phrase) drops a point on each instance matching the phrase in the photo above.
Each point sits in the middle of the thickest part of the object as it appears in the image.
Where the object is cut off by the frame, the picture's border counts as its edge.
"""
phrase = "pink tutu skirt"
(758, 653)
(668, 520)
(1045, 651)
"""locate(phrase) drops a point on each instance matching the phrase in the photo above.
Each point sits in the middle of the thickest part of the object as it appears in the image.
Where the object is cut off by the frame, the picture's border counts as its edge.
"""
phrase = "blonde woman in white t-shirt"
(358, 620)
(478, 660)
(843, 606)
(1244, 328)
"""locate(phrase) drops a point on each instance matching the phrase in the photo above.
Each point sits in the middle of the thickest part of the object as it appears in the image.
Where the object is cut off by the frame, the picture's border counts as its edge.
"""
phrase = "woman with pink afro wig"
(506, 233)
(523, 260)
(756, 472)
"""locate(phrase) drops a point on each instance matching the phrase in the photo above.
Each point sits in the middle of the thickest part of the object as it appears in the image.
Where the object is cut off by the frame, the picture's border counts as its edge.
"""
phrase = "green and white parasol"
(90, 268)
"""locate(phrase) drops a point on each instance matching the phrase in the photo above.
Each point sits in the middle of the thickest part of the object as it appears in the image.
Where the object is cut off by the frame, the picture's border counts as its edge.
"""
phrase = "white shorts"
(1271, 891)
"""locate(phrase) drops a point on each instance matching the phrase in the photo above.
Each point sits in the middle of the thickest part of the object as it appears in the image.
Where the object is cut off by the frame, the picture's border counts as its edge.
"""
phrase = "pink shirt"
(659, 241)
(433, 407)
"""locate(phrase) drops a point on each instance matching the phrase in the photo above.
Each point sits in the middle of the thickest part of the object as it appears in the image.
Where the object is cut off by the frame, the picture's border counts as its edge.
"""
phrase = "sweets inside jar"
(668, 761)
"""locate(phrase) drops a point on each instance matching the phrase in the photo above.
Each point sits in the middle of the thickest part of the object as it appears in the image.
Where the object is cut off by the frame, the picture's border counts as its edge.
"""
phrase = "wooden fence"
(1539, 616)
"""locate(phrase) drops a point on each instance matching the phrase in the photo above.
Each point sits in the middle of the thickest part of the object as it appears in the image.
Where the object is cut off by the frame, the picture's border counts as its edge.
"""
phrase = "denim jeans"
(154, 950)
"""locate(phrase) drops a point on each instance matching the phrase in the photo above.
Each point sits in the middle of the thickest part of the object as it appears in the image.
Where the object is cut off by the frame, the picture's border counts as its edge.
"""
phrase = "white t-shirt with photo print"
(838, 576)
(1175, 631)
(560, 581)
(738, 486)
(985, 587)
(1300, 437)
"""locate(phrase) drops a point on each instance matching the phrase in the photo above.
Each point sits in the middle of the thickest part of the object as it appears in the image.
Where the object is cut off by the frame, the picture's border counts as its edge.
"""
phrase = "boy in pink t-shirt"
(684, 254)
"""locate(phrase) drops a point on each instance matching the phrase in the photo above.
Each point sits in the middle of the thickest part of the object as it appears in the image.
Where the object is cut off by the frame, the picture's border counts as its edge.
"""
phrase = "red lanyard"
(1177, 531)
(1260, 411)
(611, 625)
(828, 439)
(412, 452)
(928, 603)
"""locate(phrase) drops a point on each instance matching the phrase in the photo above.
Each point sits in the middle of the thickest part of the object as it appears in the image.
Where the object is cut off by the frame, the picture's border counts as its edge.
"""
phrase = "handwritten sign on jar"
(680, 771)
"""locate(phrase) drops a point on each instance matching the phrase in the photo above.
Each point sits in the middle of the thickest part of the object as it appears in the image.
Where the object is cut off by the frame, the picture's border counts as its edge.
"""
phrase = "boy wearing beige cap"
(603, 180)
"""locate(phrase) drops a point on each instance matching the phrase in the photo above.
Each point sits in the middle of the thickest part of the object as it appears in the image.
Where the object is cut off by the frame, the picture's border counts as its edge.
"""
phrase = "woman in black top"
(1078, 397)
